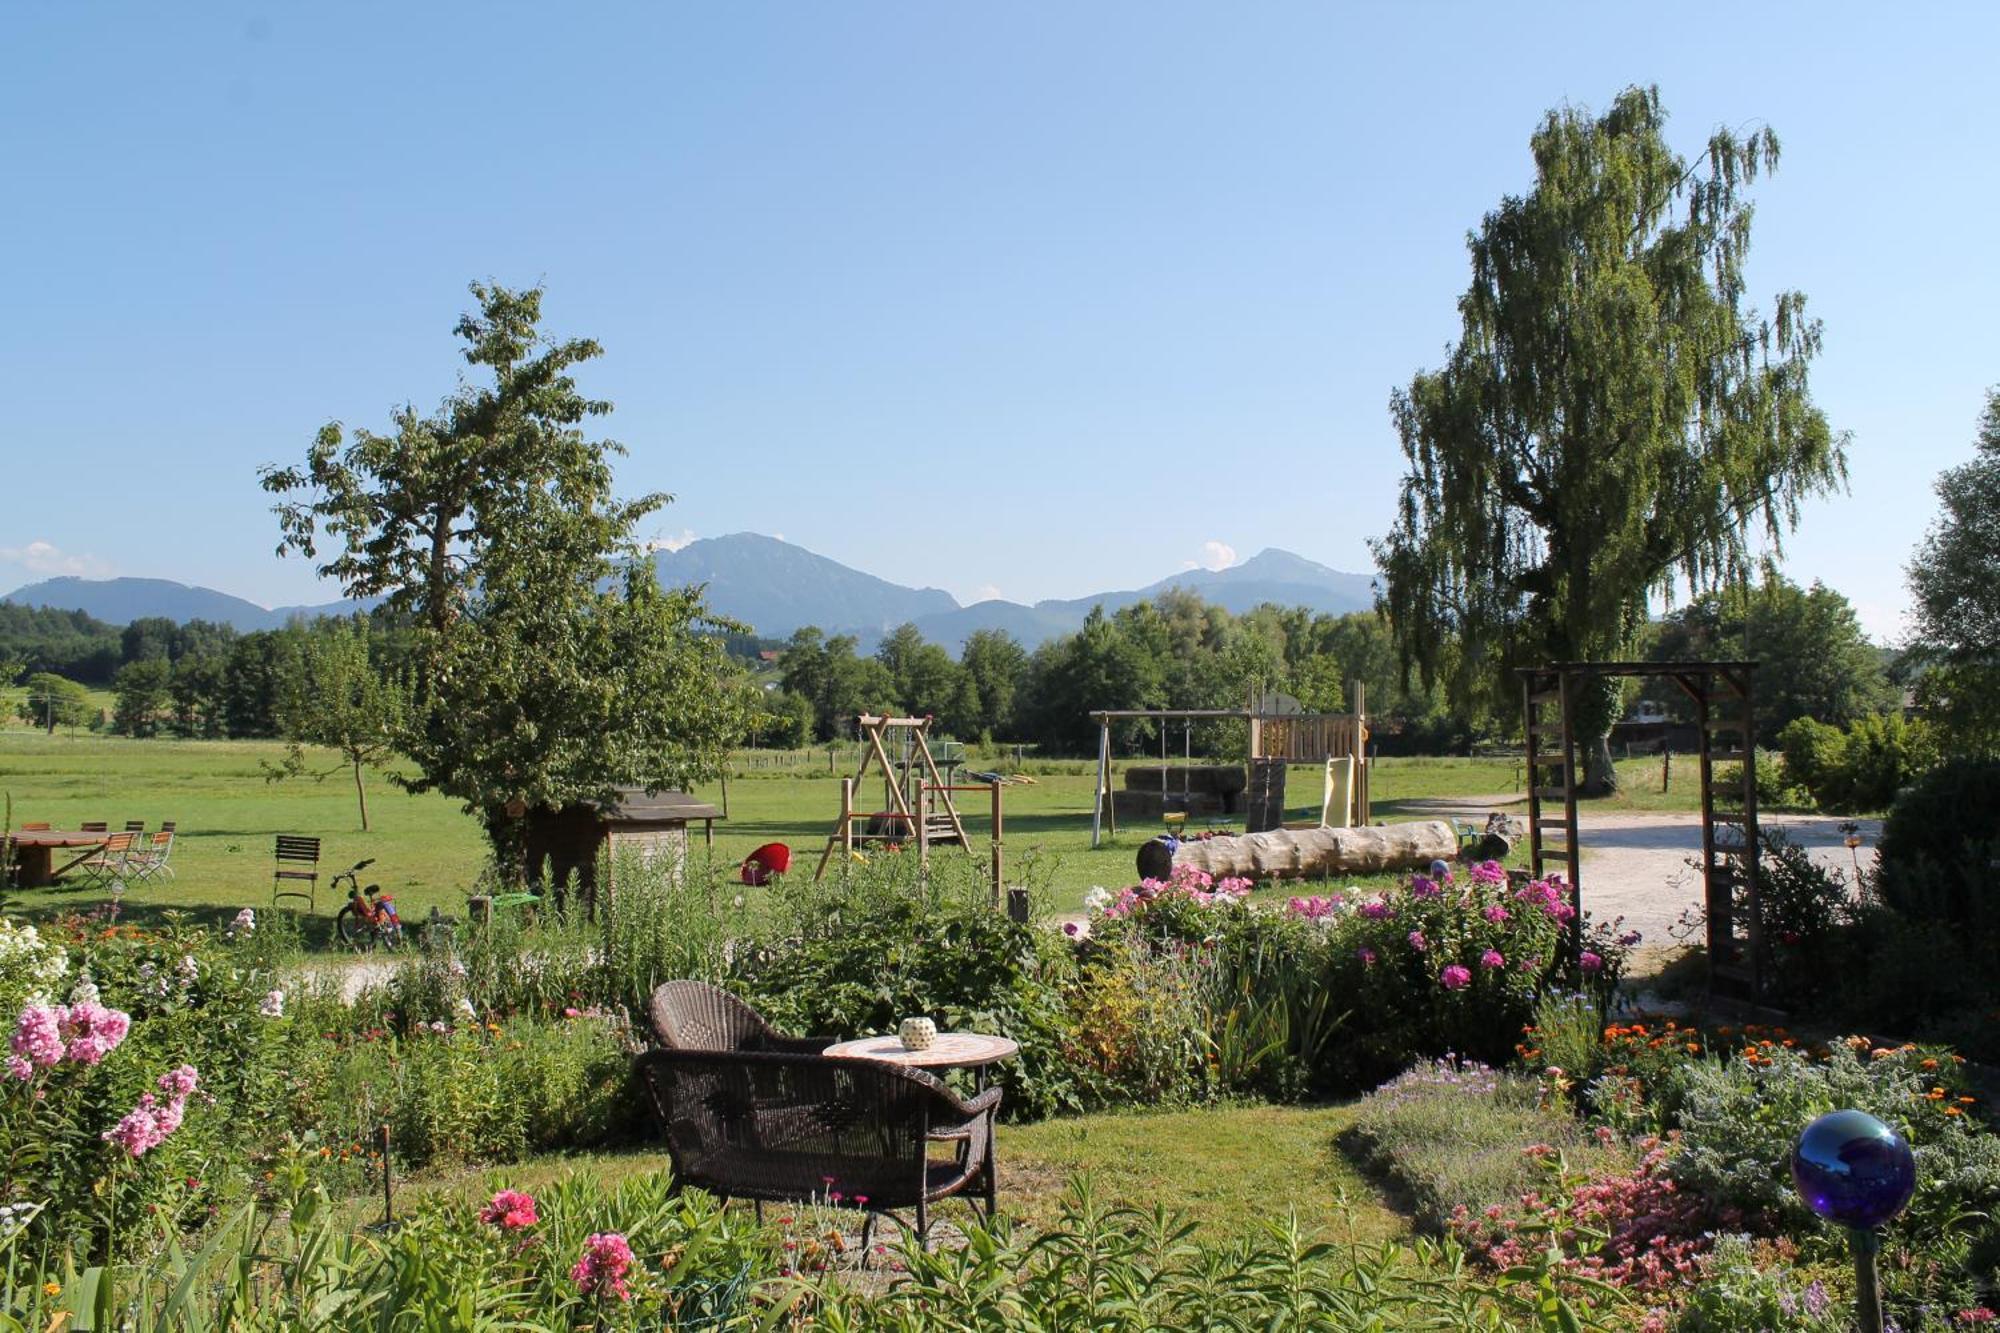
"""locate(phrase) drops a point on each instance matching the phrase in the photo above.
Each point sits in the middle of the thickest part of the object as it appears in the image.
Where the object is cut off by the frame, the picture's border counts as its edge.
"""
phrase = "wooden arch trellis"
(1723, 698)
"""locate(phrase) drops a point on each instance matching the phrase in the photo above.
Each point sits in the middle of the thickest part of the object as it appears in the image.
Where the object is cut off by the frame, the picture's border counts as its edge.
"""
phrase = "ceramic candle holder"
(917, 1034)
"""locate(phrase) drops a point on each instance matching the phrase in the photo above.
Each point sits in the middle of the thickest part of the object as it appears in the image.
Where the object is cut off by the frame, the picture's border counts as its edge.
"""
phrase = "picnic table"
(35, 849)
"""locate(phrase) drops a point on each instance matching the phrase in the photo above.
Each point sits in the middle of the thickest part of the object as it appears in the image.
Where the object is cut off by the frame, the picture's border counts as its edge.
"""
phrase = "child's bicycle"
(369, 918)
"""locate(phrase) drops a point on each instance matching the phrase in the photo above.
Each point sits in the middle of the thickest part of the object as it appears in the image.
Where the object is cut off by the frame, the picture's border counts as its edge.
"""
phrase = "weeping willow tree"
(1612, 421)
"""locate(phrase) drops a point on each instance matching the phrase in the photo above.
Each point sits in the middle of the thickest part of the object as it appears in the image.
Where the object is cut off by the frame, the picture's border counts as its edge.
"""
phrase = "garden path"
(1644, 865)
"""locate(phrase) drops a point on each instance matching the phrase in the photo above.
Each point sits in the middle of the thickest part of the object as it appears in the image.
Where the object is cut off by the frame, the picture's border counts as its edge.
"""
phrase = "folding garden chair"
(39, 826)
(150, 860)
(98, 827)
(297, 863)
(135, 826)
(110, 862)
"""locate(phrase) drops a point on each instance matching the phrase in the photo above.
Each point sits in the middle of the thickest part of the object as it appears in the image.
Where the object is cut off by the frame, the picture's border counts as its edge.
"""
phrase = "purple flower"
(1367, 957)
(1070, 929)
(1375, 910)
(1454, 978)
(1489, 872)
(1418, 942)
(1590, 962)
(1494, 912)
(1492, 958)
(1423, 886)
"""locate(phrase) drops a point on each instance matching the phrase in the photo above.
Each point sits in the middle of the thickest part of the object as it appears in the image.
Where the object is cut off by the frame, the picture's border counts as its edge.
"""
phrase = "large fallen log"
(1307, 853)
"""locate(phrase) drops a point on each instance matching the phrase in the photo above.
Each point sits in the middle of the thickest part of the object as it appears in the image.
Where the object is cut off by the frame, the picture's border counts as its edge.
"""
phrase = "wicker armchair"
(695, 1016)
(792, 1127)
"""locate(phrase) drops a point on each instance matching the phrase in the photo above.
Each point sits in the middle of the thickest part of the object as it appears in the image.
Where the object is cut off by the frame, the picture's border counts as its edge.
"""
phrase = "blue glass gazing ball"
(1853, 1169)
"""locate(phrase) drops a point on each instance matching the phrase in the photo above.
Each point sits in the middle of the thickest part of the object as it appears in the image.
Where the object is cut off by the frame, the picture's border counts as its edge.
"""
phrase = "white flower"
(85, 991)
(273, 1005)
(1097, 899)
(465, 1007)
(188, 967)
(457, 968)
(246, 921)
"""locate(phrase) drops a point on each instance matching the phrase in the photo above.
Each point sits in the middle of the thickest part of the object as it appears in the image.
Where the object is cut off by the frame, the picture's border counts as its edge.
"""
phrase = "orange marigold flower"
(1928, 1064)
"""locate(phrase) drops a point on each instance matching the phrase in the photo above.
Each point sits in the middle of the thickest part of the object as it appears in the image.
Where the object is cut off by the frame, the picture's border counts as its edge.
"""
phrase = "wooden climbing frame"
(915, 792)
(1723, 696)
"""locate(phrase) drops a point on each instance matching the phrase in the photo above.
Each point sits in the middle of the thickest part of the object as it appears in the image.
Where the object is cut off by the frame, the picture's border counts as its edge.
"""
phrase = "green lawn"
(1230, 1169)
(427, 852)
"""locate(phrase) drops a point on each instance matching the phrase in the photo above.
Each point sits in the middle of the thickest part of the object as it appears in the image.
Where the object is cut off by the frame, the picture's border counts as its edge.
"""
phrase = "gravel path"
(1645, 867)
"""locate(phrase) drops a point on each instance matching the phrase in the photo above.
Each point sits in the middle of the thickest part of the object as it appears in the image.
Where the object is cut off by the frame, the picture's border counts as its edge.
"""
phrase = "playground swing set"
(917, 802)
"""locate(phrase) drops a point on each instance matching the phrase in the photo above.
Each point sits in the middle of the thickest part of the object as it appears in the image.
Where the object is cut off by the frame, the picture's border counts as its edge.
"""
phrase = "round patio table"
(951, 1050)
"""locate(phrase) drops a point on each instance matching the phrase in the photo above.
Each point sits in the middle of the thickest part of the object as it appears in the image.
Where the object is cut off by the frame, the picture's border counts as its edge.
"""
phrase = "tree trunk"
(1312, 853)
(361, 795)
(1600, 775)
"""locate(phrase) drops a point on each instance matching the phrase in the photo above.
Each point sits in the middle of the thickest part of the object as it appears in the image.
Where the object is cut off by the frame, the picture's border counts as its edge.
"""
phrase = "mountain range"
(775, 587)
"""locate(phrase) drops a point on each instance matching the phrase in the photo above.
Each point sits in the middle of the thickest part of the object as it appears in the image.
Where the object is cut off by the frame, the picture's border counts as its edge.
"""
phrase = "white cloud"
(674, 543)
(40, 557)
(1217, 555)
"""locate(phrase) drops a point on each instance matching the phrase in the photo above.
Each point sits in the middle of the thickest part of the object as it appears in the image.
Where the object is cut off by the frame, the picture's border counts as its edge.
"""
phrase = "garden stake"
(1866, 1244)
(1852, 1169)
(388, 1201)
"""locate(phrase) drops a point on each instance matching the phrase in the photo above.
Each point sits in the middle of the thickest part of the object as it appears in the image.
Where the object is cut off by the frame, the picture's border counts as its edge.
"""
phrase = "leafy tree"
(1812, 658)
(1611, 419)
(141, 688)
(1955, 579)
(197, 694)
(926, 682)
(1098, 667)
(995, 665)
(251, 684)
(550, 667)
(336, 698)
(52, 701)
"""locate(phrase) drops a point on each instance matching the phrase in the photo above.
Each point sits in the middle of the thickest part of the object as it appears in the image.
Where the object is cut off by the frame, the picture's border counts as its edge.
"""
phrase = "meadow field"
(429, 853)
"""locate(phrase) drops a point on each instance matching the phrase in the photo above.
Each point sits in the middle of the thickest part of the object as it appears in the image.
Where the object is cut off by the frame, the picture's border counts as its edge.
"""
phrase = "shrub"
(1861, 768)
(859, 953)
(1939, 845)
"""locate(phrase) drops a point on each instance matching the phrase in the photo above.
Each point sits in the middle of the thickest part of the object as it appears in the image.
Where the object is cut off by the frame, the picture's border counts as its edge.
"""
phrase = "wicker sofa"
(751, 1114)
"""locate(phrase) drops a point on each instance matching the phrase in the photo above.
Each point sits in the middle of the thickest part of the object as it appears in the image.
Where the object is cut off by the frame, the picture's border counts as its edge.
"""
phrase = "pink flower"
(1489, 872)
(38, 1034)
(179, 1083)
(139, 1131)
(1375, 910)
(1418, 942)
(93, 1031)
(510, 1210)
(19, 1068)
(1494, 912)
(1367, 957)
(1423, 886)
(1071, 929)
(1492, 958)
(168, 1117)
(606, 1259)
(1454, 977)
(1589, 961)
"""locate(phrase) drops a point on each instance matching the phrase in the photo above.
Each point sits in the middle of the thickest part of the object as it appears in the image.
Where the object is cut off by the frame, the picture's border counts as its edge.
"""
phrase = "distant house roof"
(769, 655)
(663, 807)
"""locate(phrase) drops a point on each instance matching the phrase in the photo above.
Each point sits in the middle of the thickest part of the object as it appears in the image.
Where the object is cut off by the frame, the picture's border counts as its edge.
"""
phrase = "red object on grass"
(773, 858)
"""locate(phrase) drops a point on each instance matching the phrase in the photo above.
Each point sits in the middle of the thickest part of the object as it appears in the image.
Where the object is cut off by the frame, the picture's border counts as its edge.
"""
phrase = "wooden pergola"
(1723, 698)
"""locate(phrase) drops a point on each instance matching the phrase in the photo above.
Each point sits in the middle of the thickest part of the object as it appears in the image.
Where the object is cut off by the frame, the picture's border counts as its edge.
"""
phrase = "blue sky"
(1030, 300)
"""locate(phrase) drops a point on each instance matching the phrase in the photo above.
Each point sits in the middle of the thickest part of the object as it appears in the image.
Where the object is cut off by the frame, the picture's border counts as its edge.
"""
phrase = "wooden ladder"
(1551, 776)
(1724, 706)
